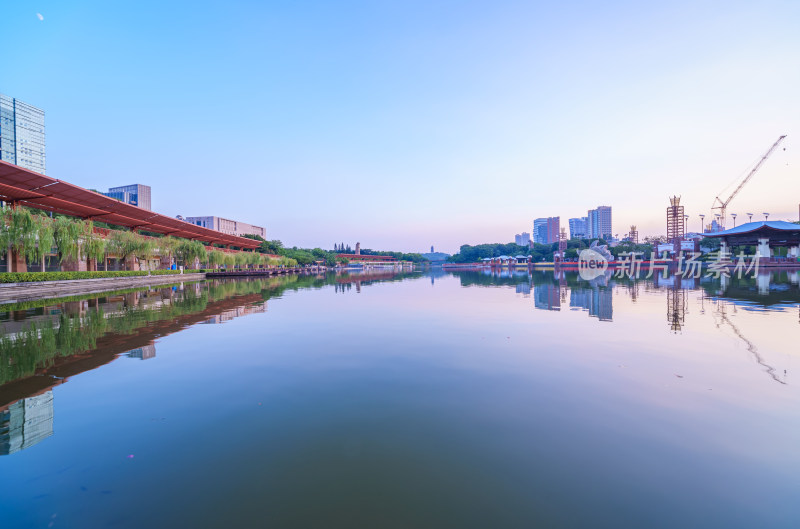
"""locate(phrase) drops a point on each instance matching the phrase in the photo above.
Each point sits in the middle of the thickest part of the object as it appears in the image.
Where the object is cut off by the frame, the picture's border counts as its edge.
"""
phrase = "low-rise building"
(231, 227)
(134, 194)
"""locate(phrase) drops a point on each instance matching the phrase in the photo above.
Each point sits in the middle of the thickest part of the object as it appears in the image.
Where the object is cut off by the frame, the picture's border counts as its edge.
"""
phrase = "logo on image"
(593, 261)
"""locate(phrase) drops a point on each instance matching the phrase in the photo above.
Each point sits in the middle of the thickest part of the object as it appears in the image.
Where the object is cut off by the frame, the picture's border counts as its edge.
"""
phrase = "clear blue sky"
(406, 124)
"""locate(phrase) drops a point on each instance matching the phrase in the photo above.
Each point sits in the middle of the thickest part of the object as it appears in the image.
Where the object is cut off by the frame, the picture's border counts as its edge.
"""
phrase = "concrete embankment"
(17, 292)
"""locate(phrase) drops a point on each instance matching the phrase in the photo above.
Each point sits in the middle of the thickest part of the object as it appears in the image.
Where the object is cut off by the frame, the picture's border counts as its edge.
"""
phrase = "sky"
(406, 124)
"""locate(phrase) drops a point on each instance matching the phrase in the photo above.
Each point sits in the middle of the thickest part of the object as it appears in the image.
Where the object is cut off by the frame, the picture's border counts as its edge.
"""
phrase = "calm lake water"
(391, 401)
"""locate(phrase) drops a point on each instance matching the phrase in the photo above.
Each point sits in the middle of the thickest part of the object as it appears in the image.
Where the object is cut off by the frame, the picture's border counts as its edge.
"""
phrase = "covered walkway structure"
(19, 186)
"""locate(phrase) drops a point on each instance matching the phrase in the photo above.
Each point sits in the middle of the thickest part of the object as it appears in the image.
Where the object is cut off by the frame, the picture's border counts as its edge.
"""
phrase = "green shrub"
(25, 277)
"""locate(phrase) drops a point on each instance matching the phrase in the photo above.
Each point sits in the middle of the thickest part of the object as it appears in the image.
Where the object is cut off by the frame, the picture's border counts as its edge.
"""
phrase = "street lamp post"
(734, 219)
(766, 216)
(751, 217)
(702, 225)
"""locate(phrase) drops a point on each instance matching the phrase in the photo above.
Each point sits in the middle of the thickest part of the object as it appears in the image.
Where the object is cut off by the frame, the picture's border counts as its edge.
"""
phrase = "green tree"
(68, 234)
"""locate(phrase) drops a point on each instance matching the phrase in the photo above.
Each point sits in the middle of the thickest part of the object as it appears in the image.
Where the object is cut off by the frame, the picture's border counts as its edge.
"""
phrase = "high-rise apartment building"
(553, 229)
(598, 223)
(231, 227)
(134, 194)
(522, 239)
(546, 230)
(577, 228)
(22, 134)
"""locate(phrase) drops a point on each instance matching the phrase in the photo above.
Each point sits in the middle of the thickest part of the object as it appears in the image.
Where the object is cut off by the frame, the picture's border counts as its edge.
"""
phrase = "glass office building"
(22, 134)
(134, 194)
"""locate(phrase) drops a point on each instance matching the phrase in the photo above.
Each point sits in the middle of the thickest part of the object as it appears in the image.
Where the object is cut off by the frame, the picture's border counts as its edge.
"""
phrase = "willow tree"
(94, 246)
(19, 231)
(187, 251)
(240, 259)
(67, 234)
(145, 249)
(124, 244)
(167, 246)
(215, 258)
(46, 238)
(253, 258)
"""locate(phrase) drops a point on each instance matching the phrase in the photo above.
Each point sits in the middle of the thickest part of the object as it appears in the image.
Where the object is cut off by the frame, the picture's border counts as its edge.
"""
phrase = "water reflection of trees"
(38, 344)
(46, 333)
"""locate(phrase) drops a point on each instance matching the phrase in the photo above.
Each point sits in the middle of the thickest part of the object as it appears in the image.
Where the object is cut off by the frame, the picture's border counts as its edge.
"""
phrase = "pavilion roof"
(38, 191)
(764, 225)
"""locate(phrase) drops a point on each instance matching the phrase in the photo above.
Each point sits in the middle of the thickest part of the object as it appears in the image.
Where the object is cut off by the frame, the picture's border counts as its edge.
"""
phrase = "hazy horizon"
(402, 126)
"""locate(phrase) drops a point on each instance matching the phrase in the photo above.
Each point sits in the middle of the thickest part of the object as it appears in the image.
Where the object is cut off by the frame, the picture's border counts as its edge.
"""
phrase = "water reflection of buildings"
(228, 315)
(770, 290)
(547, 296)
(26, 423)
(142, 353)
(599, 302)
(346, 281)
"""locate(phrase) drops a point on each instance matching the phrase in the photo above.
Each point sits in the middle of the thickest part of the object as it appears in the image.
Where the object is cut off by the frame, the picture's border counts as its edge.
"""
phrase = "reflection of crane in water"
(750, 346)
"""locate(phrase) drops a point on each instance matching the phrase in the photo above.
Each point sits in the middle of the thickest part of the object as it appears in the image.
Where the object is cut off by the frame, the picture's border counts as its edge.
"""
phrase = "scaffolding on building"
(676, 223)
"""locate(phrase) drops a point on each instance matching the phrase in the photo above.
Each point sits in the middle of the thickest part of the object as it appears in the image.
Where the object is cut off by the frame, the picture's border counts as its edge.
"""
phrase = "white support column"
(763, 280)
(763, 249)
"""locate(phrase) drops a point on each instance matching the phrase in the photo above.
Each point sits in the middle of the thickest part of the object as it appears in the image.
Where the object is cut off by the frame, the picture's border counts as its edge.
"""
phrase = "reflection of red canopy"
(38, 191)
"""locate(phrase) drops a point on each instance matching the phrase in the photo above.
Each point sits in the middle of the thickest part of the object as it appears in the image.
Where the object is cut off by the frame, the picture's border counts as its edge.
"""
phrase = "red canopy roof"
(38, 191)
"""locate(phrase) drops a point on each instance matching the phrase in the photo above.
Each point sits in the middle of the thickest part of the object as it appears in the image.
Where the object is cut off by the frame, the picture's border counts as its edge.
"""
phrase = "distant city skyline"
(402, 114)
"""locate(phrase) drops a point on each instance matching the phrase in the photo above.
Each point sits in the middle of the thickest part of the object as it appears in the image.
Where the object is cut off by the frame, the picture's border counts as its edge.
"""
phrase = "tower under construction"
(676, 223)
(634, 235)
(562, 244)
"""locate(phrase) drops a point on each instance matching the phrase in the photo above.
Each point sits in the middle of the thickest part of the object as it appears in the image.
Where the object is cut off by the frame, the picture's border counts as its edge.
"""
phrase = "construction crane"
(723, 204)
